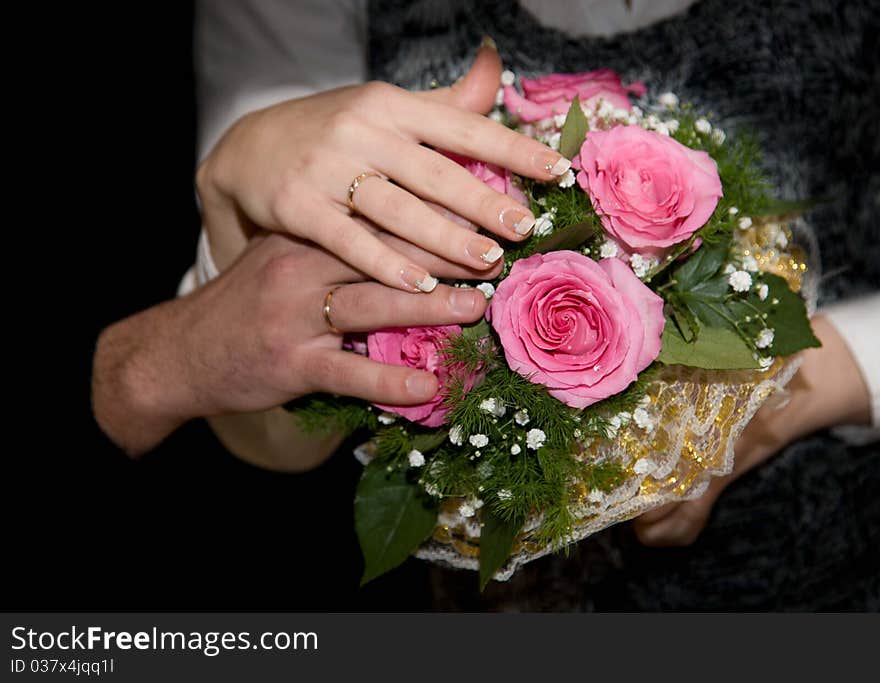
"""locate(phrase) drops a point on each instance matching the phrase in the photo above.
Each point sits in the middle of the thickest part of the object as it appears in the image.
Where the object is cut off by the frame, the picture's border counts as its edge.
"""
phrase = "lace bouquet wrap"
(627, 342)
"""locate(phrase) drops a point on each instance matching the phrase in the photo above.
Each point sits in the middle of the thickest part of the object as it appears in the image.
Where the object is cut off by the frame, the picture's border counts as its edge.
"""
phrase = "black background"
(108, 226)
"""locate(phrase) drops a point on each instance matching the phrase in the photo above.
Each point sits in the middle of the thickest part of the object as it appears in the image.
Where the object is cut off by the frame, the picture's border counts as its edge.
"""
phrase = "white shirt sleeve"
(858, 322)
(250, 54)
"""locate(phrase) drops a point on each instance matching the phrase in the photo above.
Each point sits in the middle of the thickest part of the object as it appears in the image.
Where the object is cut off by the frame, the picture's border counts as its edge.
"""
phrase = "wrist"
(139, 389)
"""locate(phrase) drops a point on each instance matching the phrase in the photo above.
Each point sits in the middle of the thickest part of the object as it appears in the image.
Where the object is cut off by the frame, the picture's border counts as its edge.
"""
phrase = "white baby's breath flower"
(559, 120)
(643, 466)
(478, 440)
(662, 129)
(553, 140)
(507, 77)
(504, 494)
(728, 269)
(643, 419)
(744, 223)
(577, 433)
(521, 417)
(467, 509)
(718, 136)
(668, 99)
(535, 438)
(624, 417)
(609, 249)
(614, 425)
(641, 264)
(733, 211)
(487, 288)
(595, 496)
(750, 263)
(567, 179)
(432, 490)
(456, 435)
(652, 121)
(605, 109)
(740, 281)
(671, 125)
(703, 126)
(416, 458)
(543, 224)
(636, 111)
(764, 338)
(620, 114)
(387, 418)
(499, 97)
(765, 362)
(496, 116)
(495, 406)
(515, 449)
(763, 291)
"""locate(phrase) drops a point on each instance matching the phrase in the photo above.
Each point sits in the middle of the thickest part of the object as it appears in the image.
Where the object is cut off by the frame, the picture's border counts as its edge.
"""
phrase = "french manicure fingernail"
(521, 222)
(489, 42)
(485, 250)
(554, 164)
(462, 302)
(420, 385)
(418, 279)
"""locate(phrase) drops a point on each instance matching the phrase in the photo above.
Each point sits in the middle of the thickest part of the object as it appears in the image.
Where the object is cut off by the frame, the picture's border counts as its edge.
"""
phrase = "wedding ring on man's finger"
(356, 183)
(327, 299)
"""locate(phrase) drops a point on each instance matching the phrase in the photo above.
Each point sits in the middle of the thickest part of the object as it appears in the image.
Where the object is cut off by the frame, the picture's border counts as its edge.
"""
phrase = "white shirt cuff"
(858, 322)
(203, 271)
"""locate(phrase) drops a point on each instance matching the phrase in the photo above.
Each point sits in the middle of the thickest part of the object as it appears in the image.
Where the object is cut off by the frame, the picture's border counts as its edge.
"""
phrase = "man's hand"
(827, 390)
(255, 338)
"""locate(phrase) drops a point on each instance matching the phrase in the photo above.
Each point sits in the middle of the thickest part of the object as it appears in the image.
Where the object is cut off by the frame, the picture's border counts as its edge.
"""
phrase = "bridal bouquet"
(626, 343)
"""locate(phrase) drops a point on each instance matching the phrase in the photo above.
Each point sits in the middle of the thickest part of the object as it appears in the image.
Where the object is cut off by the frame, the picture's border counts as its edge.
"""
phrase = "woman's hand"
(288, 168)
(828, 390)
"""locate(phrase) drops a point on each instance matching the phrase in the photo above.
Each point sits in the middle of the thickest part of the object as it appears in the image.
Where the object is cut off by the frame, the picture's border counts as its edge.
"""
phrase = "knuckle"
(490, 204)
(345, 124)
(279, 272)
(374, 93)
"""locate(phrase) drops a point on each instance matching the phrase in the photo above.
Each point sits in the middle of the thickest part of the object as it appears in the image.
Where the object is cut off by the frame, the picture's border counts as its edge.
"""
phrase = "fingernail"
(485, 250)
(489, 42)
(463, 302)
(421, 385)
(418, 279)
(554, 164)
(518, 220)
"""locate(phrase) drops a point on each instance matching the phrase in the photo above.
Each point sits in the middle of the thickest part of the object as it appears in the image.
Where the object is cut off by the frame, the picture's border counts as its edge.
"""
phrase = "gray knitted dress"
(803, 531)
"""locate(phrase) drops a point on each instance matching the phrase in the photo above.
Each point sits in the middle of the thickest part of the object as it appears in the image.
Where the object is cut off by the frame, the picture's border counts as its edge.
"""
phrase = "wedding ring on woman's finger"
(356, 183)
(327, 319)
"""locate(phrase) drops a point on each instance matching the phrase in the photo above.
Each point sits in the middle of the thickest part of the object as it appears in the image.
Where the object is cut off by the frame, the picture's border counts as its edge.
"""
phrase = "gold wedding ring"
(354, 185)
(330, 325)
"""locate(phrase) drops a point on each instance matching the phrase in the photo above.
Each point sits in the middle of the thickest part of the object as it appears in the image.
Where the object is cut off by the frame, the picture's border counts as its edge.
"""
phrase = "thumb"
(475, 90)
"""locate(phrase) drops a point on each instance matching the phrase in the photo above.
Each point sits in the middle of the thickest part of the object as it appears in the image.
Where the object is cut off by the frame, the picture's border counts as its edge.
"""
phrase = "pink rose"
(496, 177)
(551, 95)
(650, 190)
(416, 347)
(582, 329)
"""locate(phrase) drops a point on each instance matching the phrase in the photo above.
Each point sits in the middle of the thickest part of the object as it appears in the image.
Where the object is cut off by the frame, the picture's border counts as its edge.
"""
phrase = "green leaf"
(788, 317)
(569, 237)
(574, 130)
(428, 441)
(715, 348)
(706, 301)
(391, 518)
(478, 330)
(700, 266)
(496, 541)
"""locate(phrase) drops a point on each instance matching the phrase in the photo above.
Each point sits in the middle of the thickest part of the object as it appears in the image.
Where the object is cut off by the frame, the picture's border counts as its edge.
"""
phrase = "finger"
(475, 91)
(436, 178)
(348, 240)
(437, 266)
(367, 306)
(464, 132)
(656, 514)
(680, 528)
(408, 217)
(350, 374)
